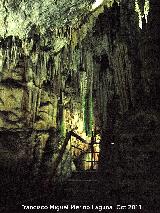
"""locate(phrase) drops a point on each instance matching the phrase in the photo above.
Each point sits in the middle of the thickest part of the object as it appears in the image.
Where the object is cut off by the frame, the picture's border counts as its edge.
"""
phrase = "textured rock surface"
(100, 71)
(137, 144)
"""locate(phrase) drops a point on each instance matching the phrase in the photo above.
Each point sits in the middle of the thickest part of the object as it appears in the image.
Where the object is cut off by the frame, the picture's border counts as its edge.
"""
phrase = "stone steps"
(85, 175)
(82, 187)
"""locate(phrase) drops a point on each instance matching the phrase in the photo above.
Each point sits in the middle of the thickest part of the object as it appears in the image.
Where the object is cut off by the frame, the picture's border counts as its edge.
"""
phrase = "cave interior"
(79, 103)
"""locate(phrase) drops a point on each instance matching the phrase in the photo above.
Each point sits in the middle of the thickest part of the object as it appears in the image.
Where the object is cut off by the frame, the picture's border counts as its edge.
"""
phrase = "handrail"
(77, 147)
(62, 151)
(78, 137)
(58, 160)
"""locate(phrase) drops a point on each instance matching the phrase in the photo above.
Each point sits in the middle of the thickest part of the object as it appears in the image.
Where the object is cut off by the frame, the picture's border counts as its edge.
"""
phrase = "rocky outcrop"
(97, 73)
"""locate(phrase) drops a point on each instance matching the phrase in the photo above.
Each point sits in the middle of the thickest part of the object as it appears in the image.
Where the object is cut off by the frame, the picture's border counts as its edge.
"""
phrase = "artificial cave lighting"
(146, 9)
(137, 9)
(73, 120)
(96, 4)
(140, 14)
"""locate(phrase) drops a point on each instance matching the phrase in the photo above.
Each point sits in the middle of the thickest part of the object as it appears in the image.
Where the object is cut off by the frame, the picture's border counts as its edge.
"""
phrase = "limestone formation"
(79, 66)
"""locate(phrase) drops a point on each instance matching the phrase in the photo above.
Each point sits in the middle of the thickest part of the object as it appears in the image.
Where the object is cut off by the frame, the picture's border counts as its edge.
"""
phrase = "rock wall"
(102, 73)
(41, 95)
(125, 65)
(123, 60)
(26, 119)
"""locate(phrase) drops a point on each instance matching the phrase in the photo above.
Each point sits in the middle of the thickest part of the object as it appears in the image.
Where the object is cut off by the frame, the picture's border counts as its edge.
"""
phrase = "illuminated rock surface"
(84, 67)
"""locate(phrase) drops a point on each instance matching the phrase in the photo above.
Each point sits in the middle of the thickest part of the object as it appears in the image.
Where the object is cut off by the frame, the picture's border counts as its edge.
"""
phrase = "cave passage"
(79, 103)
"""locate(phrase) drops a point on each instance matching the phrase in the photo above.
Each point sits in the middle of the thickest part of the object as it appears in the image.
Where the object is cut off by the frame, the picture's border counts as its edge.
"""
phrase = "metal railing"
(88, 159)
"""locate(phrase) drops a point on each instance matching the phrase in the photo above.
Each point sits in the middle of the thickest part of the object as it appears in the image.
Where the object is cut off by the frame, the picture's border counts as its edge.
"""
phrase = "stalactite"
(142, 13)
(13, 51)
(87, 98)
(38, 100)
(34, 102)
(30, 98)
(1, 61)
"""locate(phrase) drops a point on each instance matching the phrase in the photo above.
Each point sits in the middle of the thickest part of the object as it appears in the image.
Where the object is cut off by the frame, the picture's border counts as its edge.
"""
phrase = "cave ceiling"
(17, 16)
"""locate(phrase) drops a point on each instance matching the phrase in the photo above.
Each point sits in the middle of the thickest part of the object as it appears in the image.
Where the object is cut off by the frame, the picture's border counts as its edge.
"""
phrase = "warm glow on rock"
(140, 14)
(96, 4)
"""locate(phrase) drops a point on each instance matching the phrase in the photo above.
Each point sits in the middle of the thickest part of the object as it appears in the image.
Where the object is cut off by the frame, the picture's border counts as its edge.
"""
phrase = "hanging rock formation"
(84, 69)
